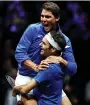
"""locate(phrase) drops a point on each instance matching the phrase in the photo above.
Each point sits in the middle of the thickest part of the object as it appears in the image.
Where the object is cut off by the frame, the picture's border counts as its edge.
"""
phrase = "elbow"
(16, 56)
(72, 69)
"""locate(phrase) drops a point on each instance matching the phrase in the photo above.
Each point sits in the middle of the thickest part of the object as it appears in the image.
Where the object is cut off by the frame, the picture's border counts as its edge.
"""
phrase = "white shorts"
(63, 94)
(21, 80)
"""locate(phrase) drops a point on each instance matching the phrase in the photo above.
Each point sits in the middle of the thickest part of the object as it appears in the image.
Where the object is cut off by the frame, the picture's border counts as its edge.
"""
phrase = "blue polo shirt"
(50, 85)
(28, 49)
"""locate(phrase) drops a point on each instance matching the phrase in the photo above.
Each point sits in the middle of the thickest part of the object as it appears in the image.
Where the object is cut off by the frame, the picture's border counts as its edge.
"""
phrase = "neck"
(55, 27)
(44, 57)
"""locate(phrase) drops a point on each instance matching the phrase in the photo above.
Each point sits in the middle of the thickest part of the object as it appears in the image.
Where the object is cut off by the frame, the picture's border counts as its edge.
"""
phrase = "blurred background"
(15, 16)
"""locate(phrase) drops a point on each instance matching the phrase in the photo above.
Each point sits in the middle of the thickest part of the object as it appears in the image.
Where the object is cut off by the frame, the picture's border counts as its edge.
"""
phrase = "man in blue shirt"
(49, 81)
(28, 54)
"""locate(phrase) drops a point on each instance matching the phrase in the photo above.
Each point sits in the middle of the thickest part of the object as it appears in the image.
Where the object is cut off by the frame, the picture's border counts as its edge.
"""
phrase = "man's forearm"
(29, 86)
(30, 65)
(56, 59)
(24, 89)
(63, 61)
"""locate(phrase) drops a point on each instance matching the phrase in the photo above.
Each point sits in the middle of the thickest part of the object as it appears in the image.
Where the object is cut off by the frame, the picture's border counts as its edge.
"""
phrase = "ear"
(53, 50)
(57, 19)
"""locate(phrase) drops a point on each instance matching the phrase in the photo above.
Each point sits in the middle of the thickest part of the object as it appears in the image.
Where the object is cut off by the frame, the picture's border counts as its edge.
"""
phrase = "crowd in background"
(15, 16)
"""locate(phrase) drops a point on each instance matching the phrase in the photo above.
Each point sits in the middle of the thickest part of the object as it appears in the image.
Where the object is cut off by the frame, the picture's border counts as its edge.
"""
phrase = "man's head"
(52, 44)
(50, 15)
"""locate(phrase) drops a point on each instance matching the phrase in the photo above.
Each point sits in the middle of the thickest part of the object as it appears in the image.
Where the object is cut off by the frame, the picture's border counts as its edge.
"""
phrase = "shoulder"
(54, 67)
(51, 68)
(68, 42)
(33, 28)
(55, 70)
(66, 38)
(35, 25)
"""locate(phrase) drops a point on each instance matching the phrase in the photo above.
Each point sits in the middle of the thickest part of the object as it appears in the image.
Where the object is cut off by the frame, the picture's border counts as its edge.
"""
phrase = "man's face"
(45, 48)
(48, 20)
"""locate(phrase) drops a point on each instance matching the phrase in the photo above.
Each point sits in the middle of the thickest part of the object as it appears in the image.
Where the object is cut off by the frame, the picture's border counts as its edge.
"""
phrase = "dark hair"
(52, 7)
(59, 38)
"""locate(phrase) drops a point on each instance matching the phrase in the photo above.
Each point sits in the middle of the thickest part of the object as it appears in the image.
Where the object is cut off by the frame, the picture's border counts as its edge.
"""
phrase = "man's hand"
(15, 91)
(53, 59)
(56, 59)
(43, 65)
(18, 90)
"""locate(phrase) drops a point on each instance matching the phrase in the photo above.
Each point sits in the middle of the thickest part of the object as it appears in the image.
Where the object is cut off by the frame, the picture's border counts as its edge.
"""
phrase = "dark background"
(15, 16)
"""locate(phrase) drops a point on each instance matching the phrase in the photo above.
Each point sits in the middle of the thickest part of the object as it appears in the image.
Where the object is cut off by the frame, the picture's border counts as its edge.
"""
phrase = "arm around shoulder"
(71, 67)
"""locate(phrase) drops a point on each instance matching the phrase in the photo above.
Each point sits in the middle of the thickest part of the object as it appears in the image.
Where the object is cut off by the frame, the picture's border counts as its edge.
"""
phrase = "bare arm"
(31, 65)
(56, 59)
(24, 89)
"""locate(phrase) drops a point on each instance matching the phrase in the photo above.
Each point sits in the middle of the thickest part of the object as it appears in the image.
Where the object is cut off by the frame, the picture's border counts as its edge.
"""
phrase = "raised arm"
(71, 67)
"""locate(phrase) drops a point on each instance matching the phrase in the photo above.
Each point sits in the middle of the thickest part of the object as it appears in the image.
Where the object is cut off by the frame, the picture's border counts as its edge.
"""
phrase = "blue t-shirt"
(50, 85)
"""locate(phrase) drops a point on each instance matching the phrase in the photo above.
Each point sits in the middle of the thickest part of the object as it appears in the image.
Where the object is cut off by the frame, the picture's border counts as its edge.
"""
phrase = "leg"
(65, 100)
(30, 101)
(21, 80)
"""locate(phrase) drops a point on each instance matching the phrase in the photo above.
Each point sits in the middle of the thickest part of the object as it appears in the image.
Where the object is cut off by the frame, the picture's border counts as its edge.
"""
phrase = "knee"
(30, 102)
